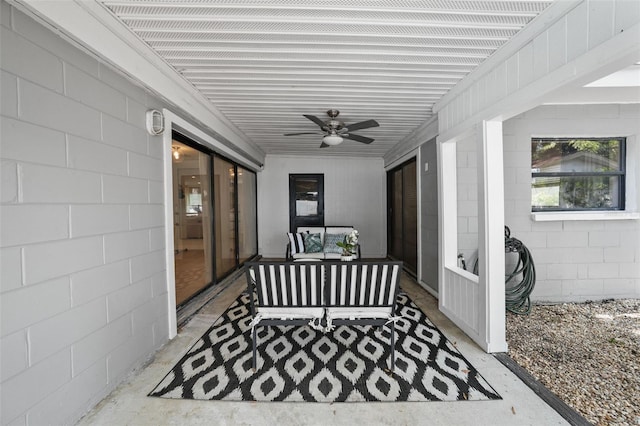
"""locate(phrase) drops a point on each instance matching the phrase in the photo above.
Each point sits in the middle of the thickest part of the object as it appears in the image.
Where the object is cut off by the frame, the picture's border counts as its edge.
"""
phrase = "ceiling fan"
(336, 131)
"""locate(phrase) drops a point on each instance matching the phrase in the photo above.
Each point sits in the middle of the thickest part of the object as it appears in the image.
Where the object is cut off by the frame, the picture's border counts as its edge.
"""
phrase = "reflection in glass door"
(192, 220)
(247, 227)
(215, 217)
(224, 189)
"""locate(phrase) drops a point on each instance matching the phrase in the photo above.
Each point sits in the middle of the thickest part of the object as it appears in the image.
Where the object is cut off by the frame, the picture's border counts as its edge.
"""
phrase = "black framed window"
(577, 174)
(306, 200)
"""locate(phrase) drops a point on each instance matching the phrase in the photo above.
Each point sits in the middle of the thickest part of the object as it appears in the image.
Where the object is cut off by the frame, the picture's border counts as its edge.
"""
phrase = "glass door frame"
(174, 122)
(186, 140)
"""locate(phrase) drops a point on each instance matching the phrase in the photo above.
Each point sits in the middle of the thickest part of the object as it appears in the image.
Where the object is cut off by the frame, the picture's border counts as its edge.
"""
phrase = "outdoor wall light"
(154, 122)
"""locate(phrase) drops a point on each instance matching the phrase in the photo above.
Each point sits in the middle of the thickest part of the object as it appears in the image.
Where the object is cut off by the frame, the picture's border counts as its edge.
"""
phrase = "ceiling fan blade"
(362, 125)
(303, 133)
(315, 120)
(324, 145)
(358, 138)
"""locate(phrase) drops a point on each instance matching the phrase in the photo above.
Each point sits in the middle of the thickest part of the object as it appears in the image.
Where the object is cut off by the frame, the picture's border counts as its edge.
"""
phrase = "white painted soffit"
(262, 64)
(627, 77)
(265, 63)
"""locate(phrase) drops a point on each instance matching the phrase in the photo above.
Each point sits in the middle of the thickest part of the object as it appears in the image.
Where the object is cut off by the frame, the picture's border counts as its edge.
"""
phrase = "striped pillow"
(297, 242)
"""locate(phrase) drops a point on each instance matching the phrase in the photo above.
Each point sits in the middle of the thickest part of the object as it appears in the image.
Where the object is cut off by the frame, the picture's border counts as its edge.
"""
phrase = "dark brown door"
(402, 234)
(395, 246)
(306, 200)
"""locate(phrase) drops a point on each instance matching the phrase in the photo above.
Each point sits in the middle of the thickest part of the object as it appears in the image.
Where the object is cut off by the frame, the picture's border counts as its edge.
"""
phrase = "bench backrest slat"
(329, 284)
(362, 284)
(283, 284)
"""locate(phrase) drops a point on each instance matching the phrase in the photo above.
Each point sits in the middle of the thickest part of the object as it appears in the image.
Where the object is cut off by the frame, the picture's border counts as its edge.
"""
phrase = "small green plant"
(349, 243)
(616, 342)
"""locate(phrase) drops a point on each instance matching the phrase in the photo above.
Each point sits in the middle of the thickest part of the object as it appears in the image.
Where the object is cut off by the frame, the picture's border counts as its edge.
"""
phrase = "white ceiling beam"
(316, 94)
(223, 101)
(183, 62)
(327, 87)
(342, 102)
(297, 84)
(245, 53)
(310, 32)
(340, 7)
(467, 44)
(159, 36)
(434, 71)
(352, 21)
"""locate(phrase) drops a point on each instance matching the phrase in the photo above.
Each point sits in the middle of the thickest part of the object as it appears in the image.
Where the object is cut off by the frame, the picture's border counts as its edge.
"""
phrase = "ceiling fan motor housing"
(334, 124)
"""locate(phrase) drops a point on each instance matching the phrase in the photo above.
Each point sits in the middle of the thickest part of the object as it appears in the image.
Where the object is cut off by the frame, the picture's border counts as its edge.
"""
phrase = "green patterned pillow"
(312, 243)
(330, 241)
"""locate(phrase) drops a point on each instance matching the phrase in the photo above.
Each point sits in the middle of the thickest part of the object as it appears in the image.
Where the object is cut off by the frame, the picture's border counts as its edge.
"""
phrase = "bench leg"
(254, 347)
(393, 346)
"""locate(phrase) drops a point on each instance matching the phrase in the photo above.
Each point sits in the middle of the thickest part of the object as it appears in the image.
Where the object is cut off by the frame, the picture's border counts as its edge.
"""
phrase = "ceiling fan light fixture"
(177, 155)
(332, 139)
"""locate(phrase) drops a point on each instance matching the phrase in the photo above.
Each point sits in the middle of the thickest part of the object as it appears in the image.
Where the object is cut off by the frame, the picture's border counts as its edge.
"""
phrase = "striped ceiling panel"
(264, 63)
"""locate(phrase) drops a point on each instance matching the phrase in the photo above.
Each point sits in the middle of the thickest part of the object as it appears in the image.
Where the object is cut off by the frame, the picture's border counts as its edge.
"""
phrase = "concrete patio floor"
(129, 404)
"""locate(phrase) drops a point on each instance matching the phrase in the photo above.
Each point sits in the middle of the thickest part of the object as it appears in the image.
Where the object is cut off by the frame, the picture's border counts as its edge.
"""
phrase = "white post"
(167, 140)
(447, 212)
(491, 257)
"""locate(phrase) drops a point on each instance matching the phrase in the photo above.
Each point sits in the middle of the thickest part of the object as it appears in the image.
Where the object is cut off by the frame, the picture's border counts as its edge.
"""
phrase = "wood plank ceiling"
(264, 63)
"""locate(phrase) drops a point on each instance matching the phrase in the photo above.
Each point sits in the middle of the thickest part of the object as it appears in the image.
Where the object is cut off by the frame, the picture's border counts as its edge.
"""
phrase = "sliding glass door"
(224, 189)
(215, 217)
(192, 221)
(247, 213)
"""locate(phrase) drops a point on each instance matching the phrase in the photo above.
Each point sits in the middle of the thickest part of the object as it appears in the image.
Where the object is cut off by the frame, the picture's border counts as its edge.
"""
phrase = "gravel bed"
(588, 354)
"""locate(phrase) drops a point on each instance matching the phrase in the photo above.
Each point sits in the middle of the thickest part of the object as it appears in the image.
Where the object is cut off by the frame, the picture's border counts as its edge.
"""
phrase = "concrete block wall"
(575, 260)
(82, 283)
(354, 194)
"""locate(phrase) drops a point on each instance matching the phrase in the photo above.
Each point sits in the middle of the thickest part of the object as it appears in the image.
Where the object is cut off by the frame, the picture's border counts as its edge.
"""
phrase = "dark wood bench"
(323, 294)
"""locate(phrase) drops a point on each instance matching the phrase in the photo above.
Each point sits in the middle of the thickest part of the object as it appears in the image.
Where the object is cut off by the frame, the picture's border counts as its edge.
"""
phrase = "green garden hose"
(517, 293)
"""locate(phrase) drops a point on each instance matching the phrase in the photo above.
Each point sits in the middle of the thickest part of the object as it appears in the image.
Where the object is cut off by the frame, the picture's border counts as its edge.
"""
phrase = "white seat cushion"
(358, 312)
(308, 256)
(290, 313)
(332, 256)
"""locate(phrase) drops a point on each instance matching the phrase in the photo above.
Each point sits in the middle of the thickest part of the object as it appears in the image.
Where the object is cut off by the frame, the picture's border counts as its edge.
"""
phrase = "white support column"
(491, 236)
(167, 141)
(448, 210)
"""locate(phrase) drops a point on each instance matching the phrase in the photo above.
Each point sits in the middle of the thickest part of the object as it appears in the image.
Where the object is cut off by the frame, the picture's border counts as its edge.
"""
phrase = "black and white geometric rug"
(349, 364)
